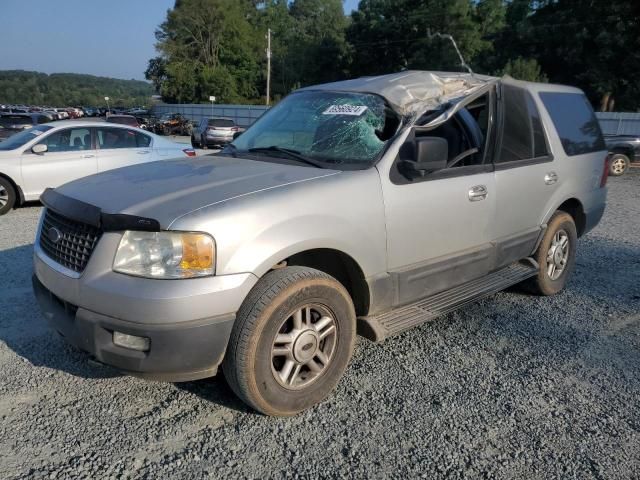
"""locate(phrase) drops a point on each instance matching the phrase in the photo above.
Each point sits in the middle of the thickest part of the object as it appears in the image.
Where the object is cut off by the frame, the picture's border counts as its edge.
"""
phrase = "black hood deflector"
(94, 216)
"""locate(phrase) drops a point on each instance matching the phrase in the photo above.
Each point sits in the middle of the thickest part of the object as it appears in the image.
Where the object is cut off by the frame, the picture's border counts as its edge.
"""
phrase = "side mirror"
(39, 148)
(236, 135)
(423, 155)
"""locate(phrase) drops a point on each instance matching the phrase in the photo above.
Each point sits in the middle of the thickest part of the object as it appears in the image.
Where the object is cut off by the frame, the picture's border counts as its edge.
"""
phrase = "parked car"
(52, 154)
(624, 149)
(62, 113)
(13, 123)
(213, 132)
(124, 120)
(364, 206)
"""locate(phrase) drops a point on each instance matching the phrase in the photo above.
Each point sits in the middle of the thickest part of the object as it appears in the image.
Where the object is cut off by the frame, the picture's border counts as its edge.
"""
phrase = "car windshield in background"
(131, 121)
(19, 139)
(221, 122)
(329, 127)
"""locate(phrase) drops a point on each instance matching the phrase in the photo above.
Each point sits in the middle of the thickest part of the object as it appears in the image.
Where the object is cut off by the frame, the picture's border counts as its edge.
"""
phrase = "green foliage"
(70, 89)
(524, 69)
(220, 44)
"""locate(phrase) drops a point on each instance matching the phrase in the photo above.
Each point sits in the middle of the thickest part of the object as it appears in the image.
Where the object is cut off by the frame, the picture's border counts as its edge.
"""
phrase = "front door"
(439, 227)
(69, 156)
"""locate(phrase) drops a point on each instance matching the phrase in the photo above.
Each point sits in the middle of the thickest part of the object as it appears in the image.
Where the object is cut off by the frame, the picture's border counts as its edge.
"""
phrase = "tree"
(389, 36)
(201, 44)
(524, 69)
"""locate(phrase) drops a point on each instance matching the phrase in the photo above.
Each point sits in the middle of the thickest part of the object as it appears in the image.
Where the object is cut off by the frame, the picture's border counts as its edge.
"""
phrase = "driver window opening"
(466, 133)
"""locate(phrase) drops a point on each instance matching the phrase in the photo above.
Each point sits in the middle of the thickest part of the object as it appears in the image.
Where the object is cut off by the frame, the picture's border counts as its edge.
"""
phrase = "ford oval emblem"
(54, 235)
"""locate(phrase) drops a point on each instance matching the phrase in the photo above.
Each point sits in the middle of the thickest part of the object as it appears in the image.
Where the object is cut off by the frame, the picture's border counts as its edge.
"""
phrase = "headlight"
(165, 254)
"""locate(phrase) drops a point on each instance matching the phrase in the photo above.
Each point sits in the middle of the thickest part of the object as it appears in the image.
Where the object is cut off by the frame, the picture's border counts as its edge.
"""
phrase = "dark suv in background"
(624, 150)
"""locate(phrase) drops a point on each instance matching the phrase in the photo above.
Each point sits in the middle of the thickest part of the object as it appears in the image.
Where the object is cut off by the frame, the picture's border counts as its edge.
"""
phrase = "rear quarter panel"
(579, 175)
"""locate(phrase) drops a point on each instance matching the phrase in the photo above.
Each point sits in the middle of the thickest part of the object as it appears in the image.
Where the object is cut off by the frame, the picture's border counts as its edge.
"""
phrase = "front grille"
(75, 241)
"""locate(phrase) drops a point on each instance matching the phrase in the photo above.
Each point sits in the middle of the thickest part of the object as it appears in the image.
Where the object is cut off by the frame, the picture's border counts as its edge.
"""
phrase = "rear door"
(526, 174)
(119, 147)
(70, 156)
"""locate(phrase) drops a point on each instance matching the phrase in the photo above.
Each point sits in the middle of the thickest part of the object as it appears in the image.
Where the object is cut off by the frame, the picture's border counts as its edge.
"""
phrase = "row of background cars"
(37, 153)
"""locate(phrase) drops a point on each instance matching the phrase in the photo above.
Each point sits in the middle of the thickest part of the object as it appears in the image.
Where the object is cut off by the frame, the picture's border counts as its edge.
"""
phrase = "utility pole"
(268, 64)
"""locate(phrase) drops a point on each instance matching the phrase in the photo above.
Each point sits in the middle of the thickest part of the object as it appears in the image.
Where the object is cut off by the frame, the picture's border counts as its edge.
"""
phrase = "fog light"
(131, 341)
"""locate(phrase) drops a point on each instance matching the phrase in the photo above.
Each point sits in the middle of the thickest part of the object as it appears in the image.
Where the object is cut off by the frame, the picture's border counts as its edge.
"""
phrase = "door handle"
(88, 155)
(550, 178)
(477, 193)
(143, 152)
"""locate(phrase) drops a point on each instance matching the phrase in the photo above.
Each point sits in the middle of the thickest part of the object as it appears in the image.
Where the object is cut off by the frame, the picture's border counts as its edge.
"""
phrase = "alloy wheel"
(618, 166)
(558, 255)
(4, 196)
(304, 346)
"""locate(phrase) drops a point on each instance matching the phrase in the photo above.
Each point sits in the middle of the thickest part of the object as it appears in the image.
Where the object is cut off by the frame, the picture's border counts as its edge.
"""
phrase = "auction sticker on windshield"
(354, 110)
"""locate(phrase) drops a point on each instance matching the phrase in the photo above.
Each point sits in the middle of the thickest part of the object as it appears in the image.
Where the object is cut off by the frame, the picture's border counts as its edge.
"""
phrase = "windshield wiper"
(290, 153)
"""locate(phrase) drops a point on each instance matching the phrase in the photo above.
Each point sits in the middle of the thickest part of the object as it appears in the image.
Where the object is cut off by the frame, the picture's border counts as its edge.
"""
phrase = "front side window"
(110, 138)
(575, 122)
(522, 133)
(329, 127)
(68, 140)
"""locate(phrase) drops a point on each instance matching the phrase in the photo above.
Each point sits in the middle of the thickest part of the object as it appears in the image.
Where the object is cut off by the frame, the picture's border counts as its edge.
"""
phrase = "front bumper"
(178, 352)
(187, 321)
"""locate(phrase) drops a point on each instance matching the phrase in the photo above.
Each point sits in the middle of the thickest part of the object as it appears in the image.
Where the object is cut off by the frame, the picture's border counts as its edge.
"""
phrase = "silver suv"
(367, 206)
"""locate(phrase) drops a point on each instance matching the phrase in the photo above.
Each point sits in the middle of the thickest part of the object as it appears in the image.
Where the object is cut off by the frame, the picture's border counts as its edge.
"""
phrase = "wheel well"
(574, 208)
(340, 266)
(628, 151)
(19, 194)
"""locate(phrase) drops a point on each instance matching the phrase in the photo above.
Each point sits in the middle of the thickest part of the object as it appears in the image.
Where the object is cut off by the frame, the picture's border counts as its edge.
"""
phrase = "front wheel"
(292, 341)
(7, 196)
(556, 255)
(619, 164)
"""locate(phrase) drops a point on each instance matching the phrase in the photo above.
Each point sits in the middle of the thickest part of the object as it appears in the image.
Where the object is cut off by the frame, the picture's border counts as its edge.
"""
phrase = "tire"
(618, 164)
(255, 363)
(7, 196)
(194, 144)
(561, 225)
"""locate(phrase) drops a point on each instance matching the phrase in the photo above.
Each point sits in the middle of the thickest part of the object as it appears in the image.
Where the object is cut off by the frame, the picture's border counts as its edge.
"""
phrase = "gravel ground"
(514, 386)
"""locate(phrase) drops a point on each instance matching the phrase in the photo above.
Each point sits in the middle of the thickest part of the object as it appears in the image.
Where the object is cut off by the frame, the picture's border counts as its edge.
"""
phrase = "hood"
(169, 189)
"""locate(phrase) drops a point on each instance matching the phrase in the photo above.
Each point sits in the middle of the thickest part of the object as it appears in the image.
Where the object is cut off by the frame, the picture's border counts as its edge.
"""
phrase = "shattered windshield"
(328, 127)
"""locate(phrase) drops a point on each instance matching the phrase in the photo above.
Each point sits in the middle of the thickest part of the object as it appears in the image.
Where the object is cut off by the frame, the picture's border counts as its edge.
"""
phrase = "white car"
(50, 155)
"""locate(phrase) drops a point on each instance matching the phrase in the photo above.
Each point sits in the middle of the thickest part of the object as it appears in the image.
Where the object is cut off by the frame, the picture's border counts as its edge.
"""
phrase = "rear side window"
(575, 122)
(221, 122)
(522, 135)
(109, 138)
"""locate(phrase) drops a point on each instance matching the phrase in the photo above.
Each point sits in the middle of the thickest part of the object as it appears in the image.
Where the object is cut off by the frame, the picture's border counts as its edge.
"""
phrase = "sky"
(111, 38)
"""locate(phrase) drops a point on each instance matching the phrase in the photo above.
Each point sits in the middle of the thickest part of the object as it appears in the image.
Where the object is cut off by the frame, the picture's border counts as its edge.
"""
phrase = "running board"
(379, 327)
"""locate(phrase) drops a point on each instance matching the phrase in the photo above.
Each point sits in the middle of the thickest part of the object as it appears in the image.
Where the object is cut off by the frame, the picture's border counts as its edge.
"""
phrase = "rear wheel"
(7, 196)
(291, 342)
(556, 255)
(619, 164)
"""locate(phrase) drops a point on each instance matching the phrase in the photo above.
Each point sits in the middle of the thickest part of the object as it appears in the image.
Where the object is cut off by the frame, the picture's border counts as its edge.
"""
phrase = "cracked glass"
(328, 127)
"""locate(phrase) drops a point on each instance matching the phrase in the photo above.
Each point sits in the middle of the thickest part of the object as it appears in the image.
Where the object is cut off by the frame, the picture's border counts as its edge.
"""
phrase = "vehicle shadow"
(215, 390)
